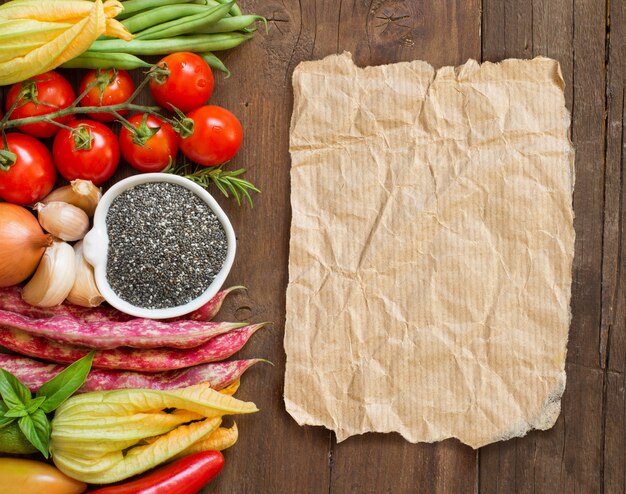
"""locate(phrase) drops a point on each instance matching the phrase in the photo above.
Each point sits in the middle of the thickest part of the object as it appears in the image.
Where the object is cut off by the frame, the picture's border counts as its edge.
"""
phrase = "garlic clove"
(63, 220)
(80, 193)
(84, 292)
(54, 277)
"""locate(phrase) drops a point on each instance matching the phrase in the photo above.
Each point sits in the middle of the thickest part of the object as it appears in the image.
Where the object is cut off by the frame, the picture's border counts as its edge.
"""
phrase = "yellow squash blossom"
(108, 436)
(37, 36)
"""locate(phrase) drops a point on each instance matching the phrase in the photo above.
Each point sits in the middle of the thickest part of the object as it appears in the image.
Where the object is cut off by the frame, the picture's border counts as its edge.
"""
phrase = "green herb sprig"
(228, 182)
(31, 412)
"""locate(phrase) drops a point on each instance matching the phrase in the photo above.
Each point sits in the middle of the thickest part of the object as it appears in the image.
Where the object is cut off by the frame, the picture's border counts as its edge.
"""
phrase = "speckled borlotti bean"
(143, 360)
(219, 375)
(107, 334)
(11, 300)
(209, 310)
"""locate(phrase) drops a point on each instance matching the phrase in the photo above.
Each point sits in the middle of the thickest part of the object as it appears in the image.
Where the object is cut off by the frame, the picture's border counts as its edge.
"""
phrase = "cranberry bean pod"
(104, 335)
(219, 375)
(11, 300)
(143, 360)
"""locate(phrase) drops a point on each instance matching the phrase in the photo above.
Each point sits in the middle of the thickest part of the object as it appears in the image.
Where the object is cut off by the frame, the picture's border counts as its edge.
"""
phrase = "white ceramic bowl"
(96, 245)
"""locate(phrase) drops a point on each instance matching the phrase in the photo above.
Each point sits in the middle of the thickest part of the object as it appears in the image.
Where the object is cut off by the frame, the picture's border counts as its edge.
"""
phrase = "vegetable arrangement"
(162, 416)
(208, 135)
(148, 391)
(107, 436)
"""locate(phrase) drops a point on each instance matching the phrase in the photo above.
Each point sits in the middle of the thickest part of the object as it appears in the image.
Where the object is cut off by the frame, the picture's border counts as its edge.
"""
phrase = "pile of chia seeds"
(166, 246)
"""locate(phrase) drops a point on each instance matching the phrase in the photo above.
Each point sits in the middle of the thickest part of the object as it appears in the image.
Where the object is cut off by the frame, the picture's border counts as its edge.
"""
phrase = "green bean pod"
(229, 24)
(160, 15)
(132, 7)
(196, 43)
(234, 10)
(91, 60)
(185, 25)
(215, 63)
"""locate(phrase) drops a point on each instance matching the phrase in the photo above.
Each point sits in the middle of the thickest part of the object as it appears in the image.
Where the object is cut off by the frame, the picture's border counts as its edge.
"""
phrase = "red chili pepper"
(185, 476)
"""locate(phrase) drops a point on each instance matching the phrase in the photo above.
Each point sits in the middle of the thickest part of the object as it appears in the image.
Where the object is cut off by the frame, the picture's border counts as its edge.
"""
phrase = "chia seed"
(166, 245)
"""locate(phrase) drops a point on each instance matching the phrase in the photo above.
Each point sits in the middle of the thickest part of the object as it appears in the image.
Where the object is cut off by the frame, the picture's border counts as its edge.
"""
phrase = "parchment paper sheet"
(431, 249)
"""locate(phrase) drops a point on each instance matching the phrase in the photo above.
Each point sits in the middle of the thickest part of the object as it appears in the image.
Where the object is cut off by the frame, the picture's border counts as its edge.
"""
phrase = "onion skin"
(22, 244)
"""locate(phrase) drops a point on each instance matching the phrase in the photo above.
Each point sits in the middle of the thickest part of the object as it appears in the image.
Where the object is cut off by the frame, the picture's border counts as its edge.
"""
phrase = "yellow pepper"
(38, 36)
(35, 477)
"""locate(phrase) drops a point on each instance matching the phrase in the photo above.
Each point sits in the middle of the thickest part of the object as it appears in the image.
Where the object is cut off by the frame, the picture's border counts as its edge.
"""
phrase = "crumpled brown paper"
(431, 249)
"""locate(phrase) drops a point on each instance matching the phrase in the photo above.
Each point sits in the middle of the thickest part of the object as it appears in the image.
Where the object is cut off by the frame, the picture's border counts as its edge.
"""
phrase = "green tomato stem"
(111, 109)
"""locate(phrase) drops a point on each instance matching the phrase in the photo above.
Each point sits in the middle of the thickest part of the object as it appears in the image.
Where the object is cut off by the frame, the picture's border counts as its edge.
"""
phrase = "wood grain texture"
(613, 324)
(572, 456)
(584, 452)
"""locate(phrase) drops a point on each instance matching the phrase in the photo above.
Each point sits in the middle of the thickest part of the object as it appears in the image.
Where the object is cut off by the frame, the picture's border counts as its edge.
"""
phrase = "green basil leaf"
(35, 403)
(4, 421)
(65, 383)
(3, 407)
(42, 424)
(36, 428)
(16, 412)
(12, 390)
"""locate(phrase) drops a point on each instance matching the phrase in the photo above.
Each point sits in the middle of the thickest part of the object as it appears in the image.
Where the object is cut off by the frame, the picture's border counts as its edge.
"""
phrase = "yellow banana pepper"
(38, 36)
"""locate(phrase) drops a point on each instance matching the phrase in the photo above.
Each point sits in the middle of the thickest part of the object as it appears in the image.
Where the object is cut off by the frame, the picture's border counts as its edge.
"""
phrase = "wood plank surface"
(573, 455)
(613, 324)
(584, 452)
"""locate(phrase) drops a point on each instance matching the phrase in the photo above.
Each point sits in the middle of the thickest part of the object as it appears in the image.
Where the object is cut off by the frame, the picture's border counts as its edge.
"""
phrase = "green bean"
(132, 7)
(159, 15)
(228, 24)
(185, 25)
(213, 3)
(215, 63)
(196, 43)
(91, 60)
(234, 10)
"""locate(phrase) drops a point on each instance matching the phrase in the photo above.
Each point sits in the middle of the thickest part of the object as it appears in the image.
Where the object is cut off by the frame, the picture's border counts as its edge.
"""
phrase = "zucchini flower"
(38, 36)
(107, 436)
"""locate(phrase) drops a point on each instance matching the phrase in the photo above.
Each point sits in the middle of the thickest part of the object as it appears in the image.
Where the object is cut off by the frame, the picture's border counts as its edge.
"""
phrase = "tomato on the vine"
(42, 94)
(216, 137)
(188, 85)
(32, 176)
(89, 151)
(114, 86)
(153, 147)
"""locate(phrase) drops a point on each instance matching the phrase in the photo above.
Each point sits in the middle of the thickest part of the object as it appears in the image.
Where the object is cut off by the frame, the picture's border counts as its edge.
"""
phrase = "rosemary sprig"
(228, 182)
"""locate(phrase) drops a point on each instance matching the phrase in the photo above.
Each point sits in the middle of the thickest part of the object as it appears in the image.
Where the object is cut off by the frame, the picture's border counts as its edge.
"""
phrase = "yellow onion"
(22, 244)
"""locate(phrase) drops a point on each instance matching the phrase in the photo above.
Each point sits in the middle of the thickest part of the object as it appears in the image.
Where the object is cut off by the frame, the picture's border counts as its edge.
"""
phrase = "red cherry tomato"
(53, 93)
(188, 85)
(157, 151)
(118, 90)
(32, 176)
(216, 137)
(91, 152)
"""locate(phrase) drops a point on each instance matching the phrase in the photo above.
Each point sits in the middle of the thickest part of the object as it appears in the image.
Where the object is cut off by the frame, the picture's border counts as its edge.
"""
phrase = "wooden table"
(584, 452)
